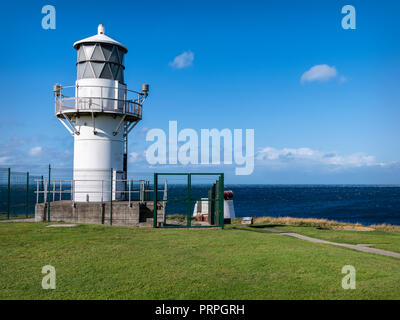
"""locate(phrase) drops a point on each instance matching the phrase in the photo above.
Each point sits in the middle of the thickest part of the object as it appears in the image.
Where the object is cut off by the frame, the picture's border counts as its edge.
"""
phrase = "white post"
(45, 191)
(129, 195)
(37, 191)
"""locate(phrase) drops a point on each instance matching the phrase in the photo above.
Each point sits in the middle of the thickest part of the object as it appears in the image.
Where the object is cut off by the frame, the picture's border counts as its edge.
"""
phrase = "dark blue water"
(350, 203)
(365, 204)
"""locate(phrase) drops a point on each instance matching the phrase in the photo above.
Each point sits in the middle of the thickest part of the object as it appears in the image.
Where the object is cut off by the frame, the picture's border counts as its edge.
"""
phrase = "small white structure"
(99, 112)
(201, 208)
(229, 210)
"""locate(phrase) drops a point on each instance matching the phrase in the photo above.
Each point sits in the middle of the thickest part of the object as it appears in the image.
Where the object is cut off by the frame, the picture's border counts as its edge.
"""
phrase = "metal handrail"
(125, 106)
(58, 191)
(90, 104)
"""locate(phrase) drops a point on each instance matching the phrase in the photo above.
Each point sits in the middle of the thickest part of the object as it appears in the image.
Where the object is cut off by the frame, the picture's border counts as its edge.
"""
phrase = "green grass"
(102, 262)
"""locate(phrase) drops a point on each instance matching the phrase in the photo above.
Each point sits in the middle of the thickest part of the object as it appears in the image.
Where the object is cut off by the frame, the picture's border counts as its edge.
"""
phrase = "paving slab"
(61, 226)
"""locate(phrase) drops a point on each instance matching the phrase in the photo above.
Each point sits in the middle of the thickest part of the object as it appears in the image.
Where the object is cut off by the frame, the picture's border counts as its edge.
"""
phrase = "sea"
(365, 204)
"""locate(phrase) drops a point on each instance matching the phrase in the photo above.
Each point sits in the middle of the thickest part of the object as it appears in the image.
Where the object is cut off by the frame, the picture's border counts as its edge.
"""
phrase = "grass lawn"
(102, 262)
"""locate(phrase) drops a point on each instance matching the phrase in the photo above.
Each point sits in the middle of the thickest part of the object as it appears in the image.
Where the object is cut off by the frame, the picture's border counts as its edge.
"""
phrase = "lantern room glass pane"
(88, 73)
(114, 56)
(107, 49)
(81, 54)
(97, 68)
(114, 70)
(88, 48)
(98, 54)
(120, 76)
(121, 56)
(81, 68)
(106, 73)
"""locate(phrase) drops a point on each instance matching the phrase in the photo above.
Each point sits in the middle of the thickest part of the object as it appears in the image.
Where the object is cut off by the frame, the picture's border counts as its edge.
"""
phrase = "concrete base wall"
(136, 214)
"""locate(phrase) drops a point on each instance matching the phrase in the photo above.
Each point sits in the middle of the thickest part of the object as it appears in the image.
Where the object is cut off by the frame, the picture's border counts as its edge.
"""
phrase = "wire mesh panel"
(113, 199)
(17, 194)
(3, 193)
(192, 199)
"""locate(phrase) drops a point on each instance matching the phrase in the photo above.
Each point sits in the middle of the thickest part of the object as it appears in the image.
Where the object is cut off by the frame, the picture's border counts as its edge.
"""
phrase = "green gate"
(215, 200)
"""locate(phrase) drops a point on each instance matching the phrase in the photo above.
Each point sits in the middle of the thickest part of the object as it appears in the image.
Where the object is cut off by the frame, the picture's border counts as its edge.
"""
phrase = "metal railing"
(100, 102)
(65, 189)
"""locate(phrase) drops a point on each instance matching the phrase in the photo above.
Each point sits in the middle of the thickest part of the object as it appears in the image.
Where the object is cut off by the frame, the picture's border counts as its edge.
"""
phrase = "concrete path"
(359, 247)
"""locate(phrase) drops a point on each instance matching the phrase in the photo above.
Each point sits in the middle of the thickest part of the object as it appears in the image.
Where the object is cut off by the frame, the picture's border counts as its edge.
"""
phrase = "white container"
(201, 207)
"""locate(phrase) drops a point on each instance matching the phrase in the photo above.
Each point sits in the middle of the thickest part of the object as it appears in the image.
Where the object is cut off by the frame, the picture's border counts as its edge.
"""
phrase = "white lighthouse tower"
(99, 112)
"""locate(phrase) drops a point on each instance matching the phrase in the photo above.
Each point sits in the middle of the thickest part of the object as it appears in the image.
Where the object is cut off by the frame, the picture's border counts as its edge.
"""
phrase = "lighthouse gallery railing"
(101, 103)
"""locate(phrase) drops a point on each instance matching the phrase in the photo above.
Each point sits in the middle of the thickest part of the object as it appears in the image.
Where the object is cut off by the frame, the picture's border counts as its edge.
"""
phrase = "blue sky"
(248, 60)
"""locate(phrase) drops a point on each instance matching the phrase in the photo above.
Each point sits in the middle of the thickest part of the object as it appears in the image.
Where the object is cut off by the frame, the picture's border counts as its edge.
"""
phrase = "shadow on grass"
(3, 216)
(252, 228)
(261, 226)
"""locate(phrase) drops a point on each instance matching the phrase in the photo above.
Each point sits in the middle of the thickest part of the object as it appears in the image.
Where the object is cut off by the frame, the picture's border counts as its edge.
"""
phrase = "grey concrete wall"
(136, 214)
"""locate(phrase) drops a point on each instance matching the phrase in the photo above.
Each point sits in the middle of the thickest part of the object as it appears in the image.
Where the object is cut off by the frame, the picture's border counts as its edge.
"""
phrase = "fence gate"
(194, 200)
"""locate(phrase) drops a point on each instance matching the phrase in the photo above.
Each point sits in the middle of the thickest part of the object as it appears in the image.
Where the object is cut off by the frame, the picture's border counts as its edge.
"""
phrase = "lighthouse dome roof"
(100, 37)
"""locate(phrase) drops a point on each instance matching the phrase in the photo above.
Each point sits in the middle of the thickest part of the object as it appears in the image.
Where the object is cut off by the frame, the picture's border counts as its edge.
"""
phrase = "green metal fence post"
(221, 201)
(155, 185)
(211, 206)
(27, 195)
(9, 193)
(189, 183)
(48, 196)
(111, 195)
(217, 203)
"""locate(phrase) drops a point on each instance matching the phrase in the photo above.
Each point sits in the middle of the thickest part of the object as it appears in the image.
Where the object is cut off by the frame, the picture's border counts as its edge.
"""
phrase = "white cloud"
(320, 72)
(183, 60)
(307, 156)
(134, 157)
(143, 131)
(4, 160)
(35, 151)
(14, 151)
